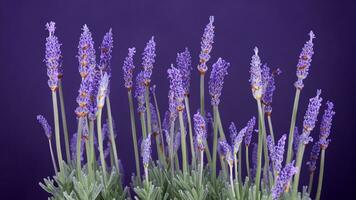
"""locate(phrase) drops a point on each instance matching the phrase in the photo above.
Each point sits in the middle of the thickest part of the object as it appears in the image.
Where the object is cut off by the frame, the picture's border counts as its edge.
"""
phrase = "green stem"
(201, 168)
(215, 141)
(298, 165)
(91, 143)
(240, 166)
(148, 110)
(321, 174)
(232, 182)
(89, 160)
(78, 150)
(186, 100)
(143, 124)
(171, 154)
(100, 142)
(269, 119)
(64, 119)
(56, 128)
(247, 164)
(202, 106)
(52, 156)
(134, 136)
(235, 167)
(161, 147)
(183, 143)
(112, 136)
(259, 149)
(221, 129)
(292, 126)
(146, 174)
(311, 179)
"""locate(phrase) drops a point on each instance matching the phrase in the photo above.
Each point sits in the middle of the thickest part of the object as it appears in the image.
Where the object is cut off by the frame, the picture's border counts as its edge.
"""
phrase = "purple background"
(278, 29)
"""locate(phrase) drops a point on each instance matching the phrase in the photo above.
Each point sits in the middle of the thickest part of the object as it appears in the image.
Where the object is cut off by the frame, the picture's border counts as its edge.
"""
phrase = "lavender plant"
(92, 169)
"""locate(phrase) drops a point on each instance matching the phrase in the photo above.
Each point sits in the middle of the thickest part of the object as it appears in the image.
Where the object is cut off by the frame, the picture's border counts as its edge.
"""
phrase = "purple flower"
(176, 86)
(269, 87)
(83, 98)
(154, 119)
(105, 53)
(314, 154)
(311, 114)
(102, 91)
(325, 125)
(256, 76)
(46, 127)
(200, 131)
(206, 45)
(276, 152)
(148, 58)
(283, 179)
(94, 83)
(86, 52)
(146, 150)
(172, 107)
(184, 64)
(216, 81)
(128, 68)
(248, 135)
(236, 138)
(53, 58)
(304, 61)
(226, 151)
(140, 92)
(254, 160)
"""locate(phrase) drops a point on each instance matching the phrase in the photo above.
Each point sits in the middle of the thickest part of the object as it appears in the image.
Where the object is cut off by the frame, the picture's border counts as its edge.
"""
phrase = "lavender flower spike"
(226, 151)
(206, 45)
(269, 87)
(102, 91)
(140, 92)
(53, 58)
(314, 154)
(325, 125)
(304, 61)
(176, 86)
(184, 64)
(46, 127)
(146, 151)
(149, 55)
(128, 68)
(216, 81)
(276, 152)
(283, 179)
(250, 126)
(105, 52)
(256, 76)
(83, 98)
(200, 131)
(86, 52)
(311, 114)
(236, 138)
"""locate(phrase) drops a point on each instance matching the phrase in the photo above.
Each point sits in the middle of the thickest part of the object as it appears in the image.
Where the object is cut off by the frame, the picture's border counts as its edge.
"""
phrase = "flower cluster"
(176, 87)
(304, 61)
(276, 152)
(325, 125)
(283, 179)
(184, 64)
(200, 131)
(128, 68)
(216, 81)
(250, 128)
(46, 127)
(148, 58)
(206, 45)
(105, 52)
(256, 76)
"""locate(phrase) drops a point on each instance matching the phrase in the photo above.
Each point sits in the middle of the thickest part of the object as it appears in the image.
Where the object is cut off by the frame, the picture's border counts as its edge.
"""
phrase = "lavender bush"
(185, 167)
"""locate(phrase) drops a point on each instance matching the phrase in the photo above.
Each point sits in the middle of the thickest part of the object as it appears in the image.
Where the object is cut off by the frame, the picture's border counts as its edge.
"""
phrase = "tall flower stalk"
(248, 136)
(303, 65)
(226, 151)
(310, 119)
(146, 155)
(200, 137)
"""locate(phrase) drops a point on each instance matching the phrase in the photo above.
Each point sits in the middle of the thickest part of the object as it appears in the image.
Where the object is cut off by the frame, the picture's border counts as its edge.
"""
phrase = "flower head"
(146, 150)
(268, 87)
(154, 119)
(311, 114)
(105, 52)
(83, 98)
(46, 127)
(53, 57)
(314, 154)
(200, 131)
(86, 52)
(325, 125)
(276, 152)
(256, 76)
(226, 152)
(128, 68)
(184, 64)
(283, 179)
(176, 86)
(304, 61)
(140, 92)
(102, 91)
(236, 138)
(206, 45)
(216, 81)
(94, 83)
(148, 58)
(248, 135)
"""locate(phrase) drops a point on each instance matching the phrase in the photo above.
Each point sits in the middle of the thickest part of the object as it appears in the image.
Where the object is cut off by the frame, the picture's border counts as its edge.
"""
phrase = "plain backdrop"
(279, 29)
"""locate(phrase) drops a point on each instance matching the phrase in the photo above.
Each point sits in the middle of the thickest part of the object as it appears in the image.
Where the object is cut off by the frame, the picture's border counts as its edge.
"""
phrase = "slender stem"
(247, 163)
(311, 179)
(171, 154)
(235, 167)
(221, 130)
(134, 136)
(183, 143)
(52, 156)
(207, 151)
(232, 182)
(89, 160)
(64, 119)
(146, 174)
(100, 142)
(321, 174)
(215, 141)
(148, 110)
(161, 147)
(112, 136)
(78, 150)
(143, 124)
(56, 128)
(298, 165)
(269, 120)
(201, 167)
(240, 166)
(202, 106)
(292, 126)
(91, 143)
(186, 100)
(259, 149)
